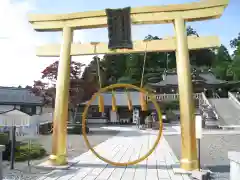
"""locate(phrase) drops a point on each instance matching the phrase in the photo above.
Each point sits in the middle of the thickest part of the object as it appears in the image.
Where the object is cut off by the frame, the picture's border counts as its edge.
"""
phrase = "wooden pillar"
(189, 159)
(60, 118)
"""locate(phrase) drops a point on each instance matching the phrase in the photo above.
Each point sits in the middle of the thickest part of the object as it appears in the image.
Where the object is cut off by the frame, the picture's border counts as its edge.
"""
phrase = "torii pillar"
(189, 159)
(60, 118)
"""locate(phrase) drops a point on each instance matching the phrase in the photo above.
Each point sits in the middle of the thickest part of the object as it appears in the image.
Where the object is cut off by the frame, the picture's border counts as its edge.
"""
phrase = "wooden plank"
(152, 173)
(164, 45)
(130, 170)
(119, 149)
(170, 160)
(84, 172)
(161, 163)
(106, 173)
(118, 173)
(144, 15)
(50, 175)
(140, 173)
(97, 171)
(102, 165)
(112, 149)
(85, 159)
(64, 174)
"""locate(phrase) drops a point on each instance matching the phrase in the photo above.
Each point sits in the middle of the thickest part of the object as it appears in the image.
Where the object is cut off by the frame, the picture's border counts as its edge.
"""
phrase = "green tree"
(134, 65)
(191, 31)
(114, 67)
(222, 64)
(128, 67)
(155, 61)
(91, 72)
(235, 44)
(236, 68)
(222, 55)
(127, 80)
(220, 70)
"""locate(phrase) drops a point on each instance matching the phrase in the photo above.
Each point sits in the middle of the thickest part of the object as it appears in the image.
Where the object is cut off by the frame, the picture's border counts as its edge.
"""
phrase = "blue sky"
(227, 27)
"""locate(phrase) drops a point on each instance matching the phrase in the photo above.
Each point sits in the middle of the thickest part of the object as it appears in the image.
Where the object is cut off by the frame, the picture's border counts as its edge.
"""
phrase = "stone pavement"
(127, 145)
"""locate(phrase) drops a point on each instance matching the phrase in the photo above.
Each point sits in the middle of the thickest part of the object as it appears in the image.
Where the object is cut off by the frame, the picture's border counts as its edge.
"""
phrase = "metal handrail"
(205, 100)
(233, 98)
(215, 95)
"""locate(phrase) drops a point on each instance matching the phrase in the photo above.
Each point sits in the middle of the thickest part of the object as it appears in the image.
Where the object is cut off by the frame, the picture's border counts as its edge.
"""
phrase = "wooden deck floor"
(127, 145)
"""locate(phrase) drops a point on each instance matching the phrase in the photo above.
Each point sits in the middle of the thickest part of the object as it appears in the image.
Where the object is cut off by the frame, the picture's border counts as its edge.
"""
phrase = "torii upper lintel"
(196, 11)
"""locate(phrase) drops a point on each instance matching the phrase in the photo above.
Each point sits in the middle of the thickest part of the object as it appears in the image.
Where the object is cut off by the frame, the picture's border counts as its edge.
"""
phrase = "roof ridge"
(15, 88)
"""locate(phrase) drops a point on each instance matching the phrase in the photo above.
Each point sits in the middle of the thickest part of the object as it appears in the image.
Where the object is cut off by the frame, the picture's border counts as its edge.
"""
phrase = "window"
(94, 113)
(27, 109)
(34, 110)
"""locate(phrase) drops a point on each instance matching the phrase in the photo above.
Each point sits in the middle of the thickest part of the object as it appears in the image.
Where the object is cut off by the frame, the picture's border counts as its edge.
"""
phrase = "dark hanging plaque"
(119, 28)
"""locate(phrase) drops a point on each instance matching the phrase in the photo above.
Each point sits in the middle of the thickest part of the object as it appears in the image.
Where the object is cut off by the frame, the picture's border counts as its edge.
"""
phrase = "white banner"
(198, 125)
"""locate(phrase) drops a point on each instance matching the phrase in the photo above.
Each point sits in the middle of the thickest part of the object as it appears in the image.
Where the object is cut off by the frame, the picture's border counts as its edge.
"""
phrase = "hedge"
(23, 153)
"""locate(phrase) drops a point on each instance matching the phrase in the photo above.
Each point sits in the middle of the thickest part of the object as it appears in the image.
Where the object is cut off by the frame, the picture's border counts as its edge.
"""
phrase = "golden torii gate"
(176, 14)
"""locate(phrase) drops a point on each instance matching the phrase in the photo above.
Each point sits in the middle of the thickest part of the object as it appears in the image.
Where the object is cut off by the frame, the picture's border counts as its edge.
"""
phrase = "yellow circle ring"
(84, 124)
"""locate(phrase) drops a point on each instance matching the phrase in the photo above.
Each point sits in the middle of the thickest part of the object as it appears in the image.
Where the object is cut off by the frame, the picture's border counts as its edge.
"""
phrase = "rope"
(100, 98)
(98, 64)
(142, 100)
(144, 63)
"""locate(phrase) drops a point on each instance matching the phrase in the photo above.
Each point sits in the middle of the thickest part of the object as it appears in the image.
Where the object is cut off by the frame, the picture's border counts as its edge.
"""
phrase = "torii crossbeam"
(177, 14)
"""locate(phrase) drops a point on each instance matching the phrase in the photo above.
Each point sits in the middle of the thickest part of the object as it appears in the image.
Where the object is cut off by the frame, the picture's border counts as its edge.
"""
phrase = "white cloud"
(18, 63)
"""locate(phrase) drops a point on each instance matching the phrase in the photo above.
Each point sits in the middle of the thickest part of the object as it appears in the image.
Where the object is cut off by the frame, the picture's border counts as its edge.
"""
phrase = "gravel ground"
(214, 152)
(76, 146)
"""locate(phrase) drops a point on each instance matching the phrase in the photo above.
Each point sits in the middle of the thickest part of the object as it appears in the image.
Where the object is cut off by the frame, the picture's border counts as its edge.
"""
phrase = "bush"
(23, 152)
(76, 129)
(4, 138)
(172, 105)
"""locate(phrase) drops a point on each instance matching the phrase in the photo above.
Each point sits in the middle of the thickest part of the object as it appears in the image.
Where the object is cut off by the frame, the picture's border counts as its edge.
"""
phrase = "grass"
(23, 153)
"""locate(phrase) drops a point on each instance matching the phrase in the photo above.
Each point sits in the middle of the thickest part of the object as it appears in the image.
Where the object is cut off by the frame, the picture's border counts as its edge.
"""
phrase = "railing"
(205, 101)
(172, 97)
(215, 95)
(236, 94)
(233, 98)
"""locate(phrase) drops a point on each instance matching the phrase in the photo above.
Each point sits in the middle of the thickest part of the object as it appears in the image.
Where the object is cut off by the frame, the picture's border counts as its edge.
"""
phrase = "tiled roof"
(121, 99)
(169, 79)
(12, 95)
(210, 78)
(172, 79)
